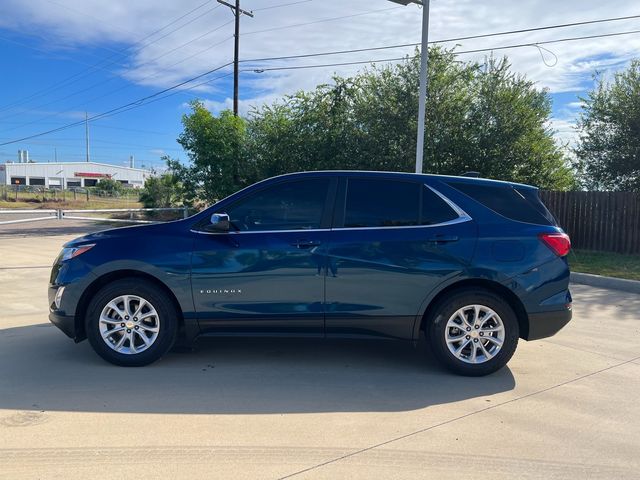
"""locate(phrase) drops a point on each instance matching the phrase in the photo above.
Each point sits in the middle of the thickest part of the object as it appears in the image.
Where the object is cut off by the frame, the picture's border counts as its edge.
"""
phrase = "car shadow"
(42, 370)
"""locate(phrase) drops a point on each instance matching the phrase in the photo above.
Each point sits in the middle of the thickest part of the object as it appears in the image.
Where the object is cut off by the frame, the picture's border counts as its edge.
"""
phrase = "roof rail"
(471, 174)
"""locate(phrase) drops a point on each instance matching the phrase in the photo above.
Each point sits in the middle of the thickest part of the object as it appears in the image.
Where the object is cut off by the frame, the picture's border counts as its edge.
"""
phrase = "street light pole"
(424, 61)
(422, 102)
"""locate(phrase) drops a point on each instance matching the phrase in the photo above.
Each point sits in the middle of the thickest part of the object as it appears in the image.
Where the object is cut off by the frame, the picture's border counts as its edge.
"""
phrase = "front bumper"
(63, 317)
(546, 324)
(66, 323)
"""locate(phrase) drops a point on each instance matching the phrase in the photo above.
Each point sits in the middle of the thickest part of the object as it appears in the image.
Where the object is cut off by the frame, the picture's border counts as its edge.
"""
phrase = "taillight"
(559, 243)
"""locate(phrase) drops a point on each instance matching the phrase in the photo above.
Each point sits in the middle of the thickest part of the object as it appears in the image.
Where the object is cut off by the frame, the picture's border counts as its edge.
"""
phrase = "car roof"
(407, 176)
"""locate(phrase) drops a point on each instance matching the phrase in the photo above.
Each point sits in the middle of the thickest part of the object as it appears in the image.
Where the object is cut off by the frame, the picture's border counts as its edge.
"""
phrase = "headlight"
(68, 253)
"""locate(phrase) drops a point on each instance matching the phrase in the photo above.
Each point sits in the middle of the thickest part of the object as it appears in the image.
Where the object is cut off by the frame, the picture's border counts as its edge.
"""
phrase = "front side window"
(381, 203)
(288, 206)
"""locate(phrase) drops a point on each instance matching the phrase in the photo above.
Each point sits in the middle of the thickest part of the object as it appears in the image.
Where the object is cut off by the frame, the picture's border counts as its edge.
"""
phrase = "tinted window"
(289, 206)
(522, 206)
(434, 209)
(533, 197)
(382, 203)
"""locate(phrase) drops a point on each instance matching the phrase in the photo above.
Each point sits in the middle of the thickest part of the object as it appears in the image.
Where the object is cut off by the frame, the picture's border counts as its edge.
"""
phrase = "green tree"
(608, 152)
(218, 161)
(109, 186)
(479, 117)
(164, 191)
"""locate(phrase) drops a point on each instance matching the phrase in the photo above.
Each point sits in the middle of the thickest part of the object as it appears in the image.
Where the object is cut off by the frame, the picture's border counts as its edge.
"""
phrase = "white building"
(69, 174)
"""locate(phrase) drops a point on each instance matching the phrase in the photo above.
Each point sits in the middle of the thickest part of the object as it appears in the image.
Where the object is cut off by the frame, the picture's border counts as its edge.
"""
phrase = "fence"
(39, 194)
(601, 221)
(61, 214)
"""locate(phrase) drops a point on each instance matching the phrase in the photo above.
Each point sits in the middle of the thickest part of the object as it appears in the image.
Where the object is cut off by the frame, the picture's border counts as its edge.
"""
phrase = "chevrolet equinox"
(473, 264)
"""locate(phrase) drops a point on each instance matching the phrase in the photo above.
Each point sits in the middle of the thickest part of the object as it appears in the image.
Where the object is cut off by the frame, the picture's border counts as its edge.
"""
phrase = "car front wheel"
(130, 322)
(473, 333)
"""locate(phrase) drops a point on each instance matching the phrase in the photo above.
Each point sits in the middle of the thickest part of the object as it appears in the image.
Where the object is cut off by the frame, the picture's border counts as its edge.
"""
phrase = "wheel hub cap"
(474, 334)
(129, 324)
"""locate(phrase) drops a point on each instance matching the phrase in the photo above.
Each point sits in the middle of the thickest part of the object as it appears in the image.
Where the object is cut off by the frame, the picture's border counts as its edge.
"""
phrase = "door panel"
(393, 242)
(266, 277)
(263, 283)
(381, 276)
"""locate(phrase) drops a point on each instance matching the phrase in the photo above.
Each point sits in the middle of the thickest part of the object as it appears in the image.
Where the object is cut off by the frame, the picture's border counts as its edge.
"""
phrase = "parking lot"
(566, 407)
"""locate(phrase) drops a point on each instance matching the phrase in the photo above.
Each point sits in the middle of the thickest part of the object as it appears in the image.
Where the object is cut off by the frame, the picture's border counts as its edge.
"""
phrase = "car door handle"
(306, 243)
(443, 239)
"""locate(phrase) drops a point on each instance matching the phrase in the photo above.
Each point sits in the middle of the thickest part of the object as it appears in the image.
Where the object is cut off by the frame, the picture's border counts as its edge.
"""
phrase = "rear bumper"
(65, 323)
(546, 324)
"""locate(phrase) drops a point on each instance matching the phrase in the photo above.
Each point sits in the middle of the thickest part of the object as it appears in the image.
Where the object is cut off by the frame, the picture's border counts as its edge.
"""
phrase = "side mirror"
(219, 223)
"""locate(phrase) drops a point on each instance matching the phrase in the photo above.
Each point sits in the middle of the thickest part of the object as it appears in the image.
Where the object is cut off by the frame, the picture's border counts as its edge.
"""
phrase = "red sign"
(91, 175)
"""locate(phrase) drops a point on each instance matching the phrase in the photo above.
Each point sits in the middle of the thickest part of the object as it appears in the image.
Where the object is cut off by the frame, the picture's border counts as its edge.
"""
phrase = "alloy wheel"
(129, 324)
(475, 334)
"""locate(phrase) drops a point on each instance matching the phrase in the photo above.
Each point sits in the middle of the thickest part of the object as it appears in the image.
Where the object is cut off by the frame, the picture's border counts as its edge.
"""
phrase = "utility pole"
(237, 11)
(86, 133)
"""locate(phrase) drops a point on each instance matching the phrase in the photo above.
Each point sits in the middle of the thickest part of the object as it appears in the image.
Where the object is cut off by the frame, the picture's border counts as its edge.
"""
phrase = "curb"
(632, 286)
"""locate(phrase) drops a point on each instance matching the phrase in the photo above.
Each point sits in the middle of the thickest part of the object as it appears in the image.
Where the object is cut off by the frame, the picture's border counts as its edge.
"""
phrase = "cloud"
(564, 130)
(127, 32)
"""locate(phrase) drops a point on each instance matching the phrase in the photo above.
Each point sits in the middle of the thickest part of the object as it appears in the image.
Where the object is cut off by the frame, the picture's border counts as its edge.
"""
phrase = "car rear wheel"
(130, 322)
(473, 333)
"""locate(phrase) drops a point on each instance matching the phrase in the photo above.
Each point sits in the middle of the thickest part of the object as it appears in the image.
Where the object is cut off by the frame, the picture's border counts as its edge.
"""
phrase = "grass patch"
(605, 263)
(69, 203)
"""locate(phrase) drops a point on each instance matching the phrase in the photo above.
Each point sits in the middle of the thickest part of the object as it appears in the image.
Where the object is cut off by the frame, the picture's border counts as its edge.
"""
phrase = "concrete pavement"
(566, 407)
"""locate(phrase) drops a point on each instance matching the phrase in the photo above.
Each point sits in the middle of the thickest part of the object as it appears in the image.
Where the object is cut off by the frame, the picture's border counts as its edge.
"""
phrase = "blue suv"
(473, 264)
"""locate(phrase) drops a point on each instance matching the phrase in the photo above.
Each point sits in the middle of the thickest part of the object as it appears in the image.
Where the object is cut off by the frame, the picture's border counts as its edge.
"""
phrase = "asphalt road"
(566, 407)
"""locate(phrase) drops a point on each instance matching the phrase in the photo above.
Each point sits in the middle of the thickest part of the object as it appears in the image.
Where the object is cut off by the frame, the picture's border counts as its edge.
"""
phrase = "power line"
(470, 37)
(112, 111)
(141, 101)
(111, 92)
(448, 40)
(184, 92)
(126, 86)
(321, 21)
(477, 50)
(359, 50)
(185, 44)
(136, 47)
(177, 20)
(509, 32)
(281, 5)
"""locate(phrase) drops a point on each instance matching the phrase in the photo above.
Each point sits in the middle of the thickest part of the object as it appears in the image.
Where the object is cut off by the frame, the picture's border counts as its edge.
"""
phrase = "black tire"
(167, 321)
(436, 330)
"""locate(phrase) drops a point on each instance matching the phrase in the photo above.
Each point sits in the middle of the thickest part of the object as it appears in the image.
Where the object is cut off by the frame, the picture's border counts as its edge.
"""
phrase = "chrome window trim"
(462, 217)
(244, 232)
(441, 224)
(461, 213)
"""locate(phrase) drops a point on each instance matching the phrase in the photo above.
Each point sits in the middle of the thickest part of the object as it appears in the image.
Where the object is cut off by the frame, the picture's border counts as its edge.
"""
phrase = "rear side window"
(434, 209)
(381, 203)
(389, 203)
(519, 204)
